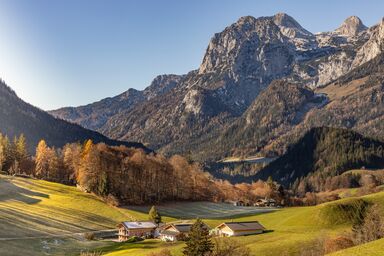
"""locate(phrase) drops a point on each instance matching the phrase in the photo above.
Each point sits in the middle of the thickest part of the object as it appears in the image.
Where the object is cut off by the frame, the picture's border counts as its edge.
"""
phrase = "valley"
(66, 213)
(273, 144)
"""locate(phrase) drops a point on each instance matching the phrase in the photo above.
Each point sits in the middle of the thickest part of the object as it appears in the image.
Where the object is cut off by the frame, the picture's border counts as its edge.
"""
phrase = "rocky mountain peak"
(290, 27)
(162, 84)
(246, 36)
(352, 26)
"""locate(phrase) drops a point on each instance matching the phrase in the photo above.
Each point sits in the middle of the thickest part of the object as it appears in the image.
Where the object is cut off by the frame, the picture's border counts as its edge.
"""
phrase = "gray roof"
(183, 227)
(169, 233)
(138, 224)
(249, 225)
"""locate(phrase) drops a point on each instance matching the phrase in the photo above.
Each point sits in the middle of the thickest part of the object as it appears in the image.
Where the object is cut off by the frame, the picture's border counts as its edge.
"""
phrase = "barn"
(239, 228)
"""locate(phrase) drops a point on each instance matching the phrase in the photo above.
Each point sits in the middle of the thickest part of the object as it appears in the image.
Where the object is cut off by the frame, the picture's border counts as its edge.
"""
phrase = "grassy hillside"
(33, 212)
(290, 230)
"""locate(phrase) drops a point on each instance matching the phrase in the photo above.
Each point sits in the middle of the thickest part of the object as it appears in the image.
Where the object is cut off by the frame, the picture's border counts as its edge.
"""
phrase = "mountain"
(19, 117)
(95, 115)
(352, 26)
(263, 82)
(330, 151)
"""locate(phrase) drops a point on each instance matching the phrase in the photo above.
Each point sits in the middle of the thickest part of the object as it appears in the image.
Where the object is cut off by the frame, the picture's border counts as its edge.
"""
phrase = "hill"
(43, 217)
(19, 117)
(34, 213)
(327, 151)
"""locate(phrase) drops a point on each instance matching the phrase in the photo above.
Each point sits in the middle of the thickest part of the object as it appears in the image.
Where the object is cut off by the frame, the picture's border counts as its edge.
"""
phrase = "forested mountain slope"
(18, 117)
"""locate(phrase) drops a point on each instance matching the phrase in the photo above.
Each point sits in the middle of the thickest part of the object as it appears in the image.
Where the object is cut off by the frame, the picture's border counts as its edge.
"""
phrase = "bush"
(89, 236)
(229, 247)
(90, 254)
(134, 239)
(338, 243)
(112, 200)
(372, 227)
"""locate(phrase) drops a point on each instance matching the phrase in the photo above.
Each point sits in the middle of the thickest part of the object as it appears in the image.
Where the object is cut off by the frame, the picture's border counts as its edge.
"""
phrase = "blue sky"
(56, 53)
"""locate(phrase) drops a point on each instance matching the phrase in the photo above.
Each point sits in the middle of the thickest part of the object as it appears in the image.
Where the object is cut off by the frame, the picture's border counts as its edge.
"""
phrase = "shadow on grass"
(118, 246)
(10, 191)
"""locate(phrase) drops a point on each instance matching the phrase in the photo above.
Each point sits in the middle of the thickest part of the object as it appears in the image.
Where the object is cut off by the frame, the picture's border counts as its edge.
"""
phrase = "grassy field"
(291, 229)
(33, 212)
(204, 210)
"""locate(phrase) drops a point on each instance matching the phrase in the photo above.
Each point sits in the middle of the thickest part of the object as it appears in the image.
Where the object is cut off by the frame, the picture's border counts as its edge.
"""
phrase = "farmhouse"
(136, 228)
(176, 231)
(265, 203)
(239, 228)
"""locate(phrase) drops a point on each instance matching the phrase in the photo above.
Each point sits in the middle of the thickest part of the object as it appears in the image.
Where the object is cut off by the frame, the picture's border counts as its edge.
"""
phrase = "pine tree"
(199, 242)
(154, 215)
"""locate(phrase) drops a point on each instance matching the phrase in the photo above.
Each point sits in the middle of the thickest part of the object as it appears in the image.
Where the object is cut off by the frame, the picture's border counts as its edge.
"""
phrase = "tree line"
(125, 175)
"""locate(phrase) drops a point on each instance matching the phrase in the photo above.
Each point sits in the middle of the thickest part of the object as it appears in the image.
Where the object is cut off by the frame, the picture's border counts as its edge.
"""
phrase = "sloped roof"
(138, 224)
(243, 226)
(169, 233)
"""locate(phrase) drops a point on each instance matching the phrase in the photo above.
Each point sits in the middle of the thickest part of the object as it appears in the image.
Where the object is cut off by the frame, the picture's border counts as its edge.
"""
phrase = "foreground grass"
(291, 230)
(288, 230)
(33, 212)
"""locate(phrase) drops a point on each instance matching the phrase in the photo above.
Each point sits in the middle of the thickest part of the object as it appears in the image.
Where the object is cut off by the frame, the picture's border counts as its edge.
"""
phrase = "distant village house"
(265, 203)
(239, 228)
(176, 231)
(136, 228)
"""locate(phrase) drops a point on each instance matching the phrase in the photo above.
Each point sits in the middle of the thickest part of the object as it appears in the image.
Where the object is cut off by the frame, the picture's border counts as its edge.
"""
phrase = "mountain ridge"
(19, 117)
(241, 62)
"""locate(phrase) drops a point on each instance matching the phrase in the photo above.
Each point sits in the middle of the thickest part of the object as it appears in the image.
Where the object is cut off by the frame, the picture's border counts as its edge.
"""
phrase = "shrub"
(89, 236)
(338, 243)
(90, 254)
(229, 247)
(112, 200)
(372, 227)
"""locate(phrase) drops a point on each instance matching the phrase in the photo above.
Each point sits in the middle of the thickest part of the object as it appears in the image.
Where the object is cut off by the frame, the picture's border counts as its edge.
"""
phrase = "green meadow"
(39, 217)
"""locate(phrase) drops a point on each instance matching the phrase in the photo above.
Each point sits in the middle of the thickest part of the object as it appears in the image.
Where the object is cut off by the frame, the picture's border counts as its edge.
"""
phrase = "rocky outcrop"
(373, 47)
(352, 26)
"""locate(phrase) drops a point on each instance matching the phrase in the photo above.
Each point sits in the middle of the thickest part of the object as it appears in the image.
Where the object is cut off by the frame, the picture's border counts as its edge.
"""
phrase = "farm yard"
(204, 210)
(49, 219)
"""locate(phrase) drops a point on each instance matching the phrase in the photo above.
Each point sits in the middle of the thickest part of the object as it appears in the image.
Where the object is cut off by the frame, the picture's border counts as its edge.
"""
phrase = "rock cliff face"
(200, 110)
(373, 47)
(352, 26)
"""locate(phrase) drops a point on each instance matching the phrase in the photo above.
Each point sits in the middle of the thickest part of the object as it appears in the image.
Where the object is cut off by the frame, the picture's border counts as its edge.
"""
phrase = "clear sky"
(56, 53)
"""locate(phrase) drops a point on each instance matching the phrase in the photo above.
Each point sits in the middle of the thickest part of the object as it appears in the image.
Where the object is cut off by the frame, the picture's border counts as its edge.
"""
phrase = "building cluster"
(178, 231)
